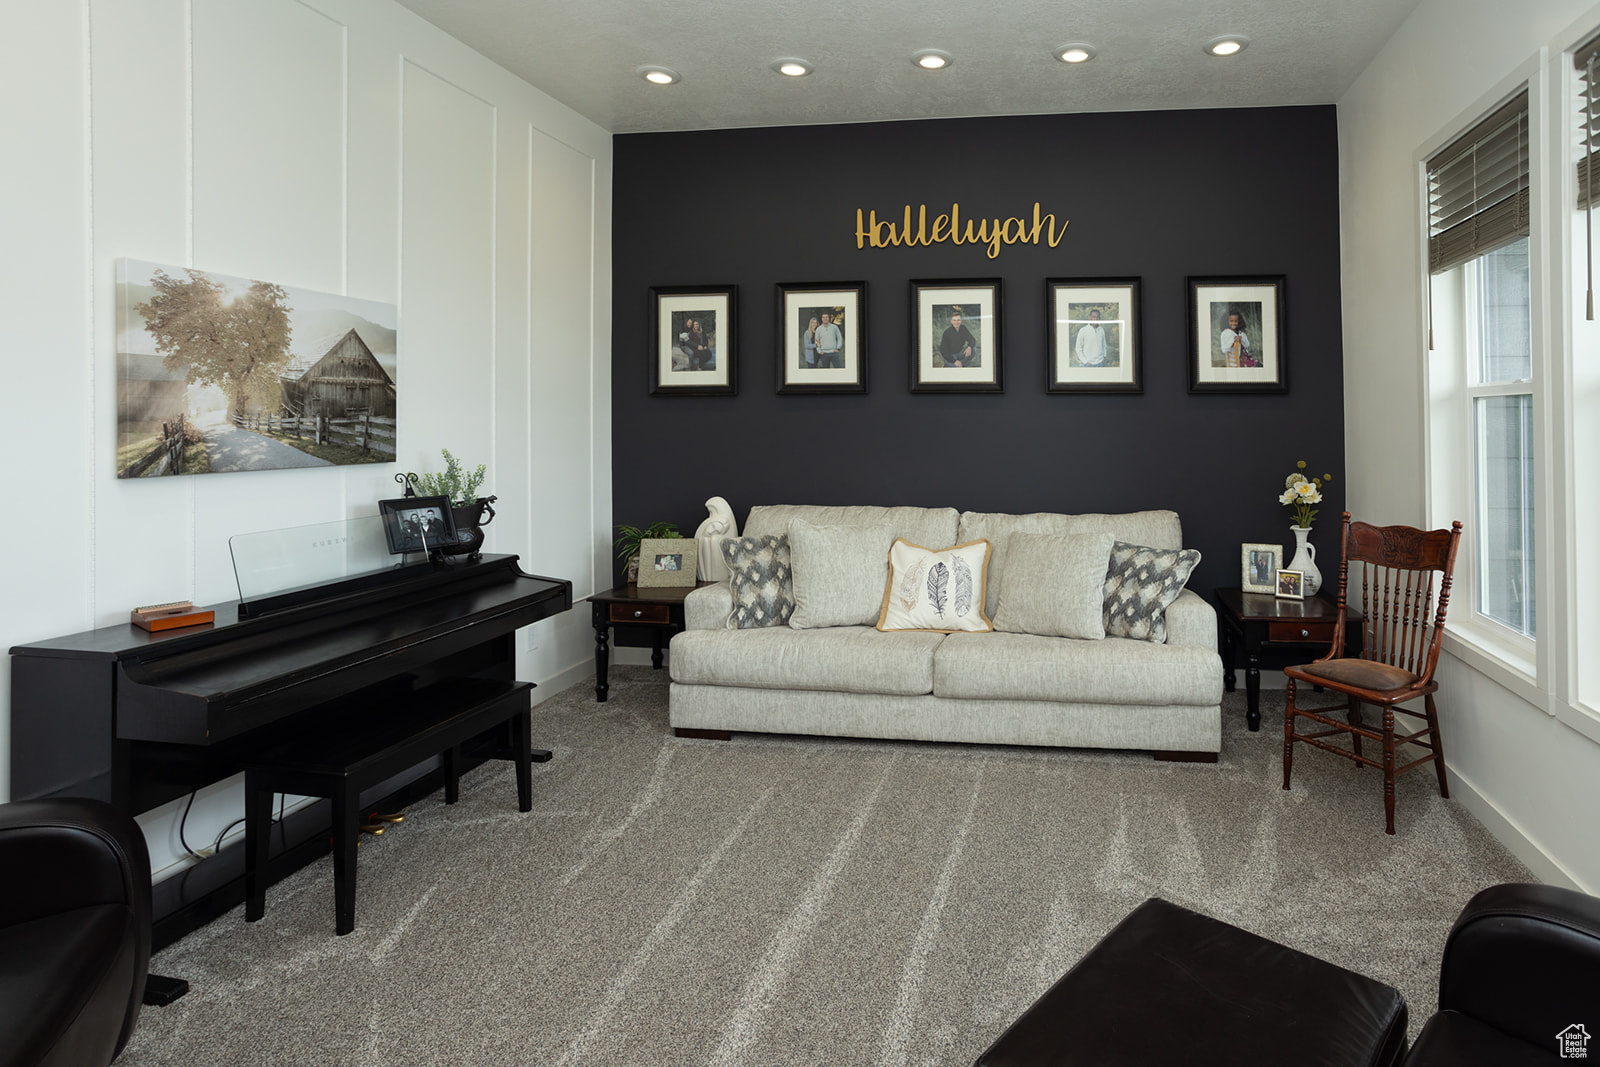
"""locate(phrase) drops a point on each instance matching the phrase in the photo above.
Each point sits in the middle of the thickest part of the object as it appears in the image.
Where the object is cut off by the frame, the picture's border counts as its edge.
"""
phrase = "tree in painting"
(240, 346)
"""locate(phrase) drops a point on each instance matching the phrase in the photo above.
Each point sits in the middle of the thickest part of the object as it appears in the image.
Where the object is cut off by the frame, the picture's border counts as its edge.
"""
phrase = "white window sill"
(1578, 716)
(1509, 667)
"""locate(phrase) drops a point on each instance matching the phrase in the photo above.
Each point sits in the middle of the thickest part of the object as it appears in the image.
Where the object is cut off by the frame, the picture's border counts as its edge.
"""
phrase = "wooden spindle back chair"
(1402, 630)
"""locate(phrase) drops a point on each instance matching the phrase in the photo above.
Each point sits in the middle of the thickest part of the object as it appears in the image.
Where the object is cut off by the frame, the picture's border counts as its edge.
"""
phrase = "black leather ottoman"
(1169, 986)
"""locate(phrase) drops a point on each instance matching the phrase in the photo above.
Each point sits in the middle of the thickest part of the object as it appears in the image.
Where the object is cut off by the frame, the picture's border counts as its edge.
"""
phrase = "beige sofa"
(990, 688)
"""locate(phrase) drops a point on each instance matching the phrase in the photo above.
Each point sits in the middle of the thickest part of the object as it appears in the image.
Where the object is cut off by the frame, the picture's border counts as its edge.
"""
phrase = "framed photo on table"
(822, 337)
(1291, 585)
(1236, 335)
(695, 340)
(1259, 566)
(667, 561)
(1094, 337)
(955, 336)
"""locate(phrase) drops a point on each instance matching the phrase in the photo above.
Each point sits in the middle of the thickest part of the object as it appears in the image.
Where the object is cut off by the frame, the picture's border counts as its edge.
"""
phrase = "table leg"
(655, 647)
(1252, 689)
(602, 659)
(1225, 640)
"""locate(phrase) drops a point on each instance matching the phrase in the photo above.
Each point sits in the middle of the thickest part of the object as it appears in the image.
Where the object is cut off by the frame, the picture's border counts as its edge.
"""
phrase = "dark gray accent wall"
(1159, 195)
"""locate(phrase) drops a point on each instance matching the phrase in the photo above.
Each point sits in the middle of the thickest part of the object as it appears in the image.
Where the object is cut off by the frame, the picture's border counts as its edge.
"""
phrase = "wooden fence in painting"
(368, 433)
(165, 458)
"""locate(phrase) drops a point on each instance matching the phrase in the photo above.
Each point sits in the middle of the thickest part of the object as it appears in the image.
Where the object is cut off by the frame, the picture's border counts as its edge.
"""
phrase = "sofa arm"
(708, 607)
(1522, 959)
(1191, 622)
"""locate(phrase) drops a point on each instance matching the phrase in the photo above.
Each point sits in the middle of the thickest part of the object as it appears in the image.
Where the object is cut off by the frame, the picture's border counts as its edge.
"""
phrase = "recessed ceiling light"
(1077, 52)
(794, 68)
(932, 59)
(659, 75)
(1227, 45)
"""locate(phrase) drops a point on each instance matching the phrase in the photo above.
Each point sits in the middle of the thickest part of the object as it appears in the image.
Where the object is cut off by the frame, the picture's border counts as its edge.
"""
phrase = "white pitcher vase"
(1305, 559)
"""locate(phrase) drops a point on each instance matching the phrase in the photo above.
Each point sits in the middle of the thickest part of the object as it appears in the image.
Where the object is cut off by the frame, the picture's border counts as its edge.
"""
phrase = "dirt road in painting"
(233, 449)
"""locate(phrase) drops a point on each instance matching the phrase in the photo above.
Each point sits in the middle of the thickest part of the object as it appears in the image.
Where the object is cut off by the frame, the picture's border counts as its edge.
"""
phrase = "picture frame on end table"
(955, 336)
(812, 316)
(1236, 335)
(668, 561)
(695, 335)
(1291, 585)
(1259, 566)
(1094, 331)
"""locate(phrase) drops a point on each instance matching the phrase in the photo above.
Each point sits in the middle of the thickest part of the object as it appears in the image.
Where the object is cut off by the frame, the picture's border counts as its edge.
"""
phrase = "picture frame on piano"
(417, 524)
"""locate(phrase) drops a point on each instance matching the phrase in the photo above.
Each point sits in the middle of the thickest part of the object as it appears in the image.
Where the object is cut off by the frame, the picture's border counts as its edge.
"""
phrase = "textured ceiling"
(585, 54)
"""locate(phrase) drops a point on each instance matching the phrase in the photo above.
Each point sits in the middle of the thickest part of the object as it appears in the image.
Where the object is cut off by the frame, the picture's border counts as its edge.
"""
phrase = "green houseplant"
(459, 486)
(629, 538)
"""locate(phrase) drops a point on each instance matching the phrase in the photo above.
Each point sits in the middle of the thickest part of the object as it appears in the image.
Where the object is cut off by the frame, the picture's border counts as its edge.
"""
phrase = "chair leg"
(1288, 731)
(1388, 768)
(1438, 745)
(1353, 717)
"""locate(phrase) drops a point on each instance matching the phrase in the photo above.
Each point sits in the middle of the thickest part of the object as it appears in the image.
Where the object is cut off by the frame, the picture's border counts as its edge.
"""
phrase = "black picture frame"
(1260, 302)
(936, 301)
(1117, 302)
(679, 360)
(417, 524)
(797, 303)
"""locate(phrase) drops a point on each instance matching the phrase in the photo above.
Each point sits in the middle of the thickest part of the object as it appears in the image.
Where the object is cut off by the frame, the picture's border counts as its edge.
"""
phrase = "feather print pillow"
(941, 591)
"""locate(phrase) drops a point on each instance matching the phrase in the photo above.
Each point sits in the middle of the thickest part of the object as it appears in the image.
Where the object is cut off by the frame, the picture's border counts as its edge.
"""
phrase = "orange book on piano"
(172, 622)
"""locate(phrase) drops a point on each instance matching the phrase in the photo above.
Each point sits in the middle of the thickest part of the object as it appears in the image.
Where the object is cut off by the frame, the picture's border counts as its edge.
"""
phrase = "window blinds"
(1587, 60)
(1478, 188)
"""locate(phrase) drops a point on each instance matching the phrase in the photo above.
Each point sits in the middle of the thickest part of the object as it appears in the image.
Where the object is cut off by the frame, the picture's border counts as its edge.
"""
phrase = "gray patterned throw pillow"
(1140, 583)
(760, 580)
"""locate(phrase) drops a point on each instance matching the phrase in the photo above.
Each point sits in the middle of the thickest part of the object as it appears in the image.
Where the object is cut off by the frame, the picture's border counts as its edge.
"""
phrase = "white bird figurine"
(718, 525)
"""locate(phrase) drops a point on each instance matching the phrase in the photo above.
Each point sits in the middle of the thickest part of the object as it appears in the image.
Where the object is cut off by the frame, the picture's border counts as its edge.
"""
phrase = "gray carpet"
(783, 900)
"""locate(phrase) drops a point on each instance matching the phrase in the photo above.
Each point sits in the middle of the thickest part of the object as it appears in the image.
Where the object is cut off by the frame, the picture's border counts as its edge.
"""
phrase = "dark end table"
(1281, 631)
(658, 609)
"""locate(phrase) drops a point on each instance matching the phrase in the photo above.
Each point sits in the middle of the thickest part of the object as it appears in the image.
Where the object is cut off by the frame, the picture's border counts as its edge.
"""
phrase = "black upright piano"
(140, 719)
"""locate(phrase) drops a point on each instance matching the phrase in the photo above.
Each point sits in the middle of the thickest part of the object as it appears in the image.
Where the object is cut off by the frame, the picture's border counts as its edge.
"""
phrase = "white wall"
(339, 145)
(1527, 776)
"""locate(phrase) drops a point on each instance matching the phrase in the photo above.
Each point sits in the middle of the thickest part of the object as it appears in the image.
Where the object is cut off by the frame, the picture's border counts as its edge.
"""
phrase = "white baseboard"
(564, 679)
(636, 657)
(1506, 830)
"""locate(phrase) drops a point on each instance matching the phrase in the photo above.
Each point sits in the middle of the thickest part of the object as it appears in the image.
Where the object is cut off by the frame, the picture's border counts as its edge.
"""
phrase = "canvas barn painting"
(218, 374)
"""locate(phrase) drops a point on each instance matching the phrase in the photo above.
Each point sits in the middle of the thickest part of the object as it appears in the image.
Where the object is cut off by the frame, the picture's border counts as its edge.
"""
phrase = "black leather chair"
(74, 932)
(1519, 983)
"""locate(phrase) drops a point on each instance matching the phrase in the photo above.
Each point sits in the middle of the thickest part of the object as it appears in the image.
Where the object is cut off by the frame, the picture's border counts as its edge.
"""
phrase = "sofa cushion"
(847, 659)
(1159, 529)
(1005, 666)
(1140, 583)
(940, 591)
(1055, 585)
(759, 580)
(839, 572)
(920, 526)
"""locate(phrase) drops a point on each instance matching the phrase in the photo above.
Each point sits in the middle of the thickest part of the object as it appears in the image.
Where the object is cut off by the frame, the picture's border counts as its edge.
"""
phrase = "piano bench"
(356, 752)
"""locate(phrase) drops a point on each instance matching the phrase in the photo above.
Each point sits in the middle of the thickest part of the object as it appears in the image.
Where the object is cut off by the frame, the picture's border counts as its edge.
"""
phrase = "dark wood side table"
(1279, 630)
(658, 609)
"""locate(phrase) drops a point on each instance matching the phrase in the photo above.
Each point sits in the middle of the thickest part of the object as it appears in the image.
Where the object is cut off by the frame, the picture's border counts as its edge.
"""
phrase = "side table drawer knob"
(1305, 633)
(638, 614)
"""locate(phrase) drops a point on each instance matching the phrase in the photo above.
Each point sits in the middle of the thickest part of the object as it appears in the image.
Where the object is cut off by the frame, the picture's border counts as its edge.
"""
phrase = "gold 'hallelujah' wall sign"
(882, 233)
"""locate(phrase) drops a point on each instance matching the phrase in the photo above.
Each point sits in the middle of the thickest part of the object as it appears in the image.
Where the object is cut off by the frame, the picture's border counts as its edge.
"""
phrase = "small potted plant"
(471, 511)
(629, 538)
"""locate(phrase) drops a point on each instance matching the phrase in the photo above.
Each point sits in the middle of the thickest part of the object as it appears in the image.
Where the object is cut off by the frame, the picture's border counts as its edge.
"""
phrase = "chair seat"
(1451, 1039)
(1355, 674)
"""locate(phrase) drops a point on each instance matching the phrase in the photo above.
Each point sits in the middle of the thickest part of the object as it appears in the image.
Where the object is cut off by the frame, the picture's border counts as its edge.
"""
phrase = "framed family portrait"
(1292, 585)
(417, 523)
(1094, 335)
(667, 561)
(1236, 330)
(955, 336)
(822, 337)
(1259, 566)
(696, 335)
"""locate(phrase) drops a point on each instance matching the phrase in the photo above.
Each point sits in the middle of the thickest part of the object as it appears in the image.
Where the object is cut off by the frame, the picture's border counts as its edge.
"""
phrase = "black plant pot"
(470, 521)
